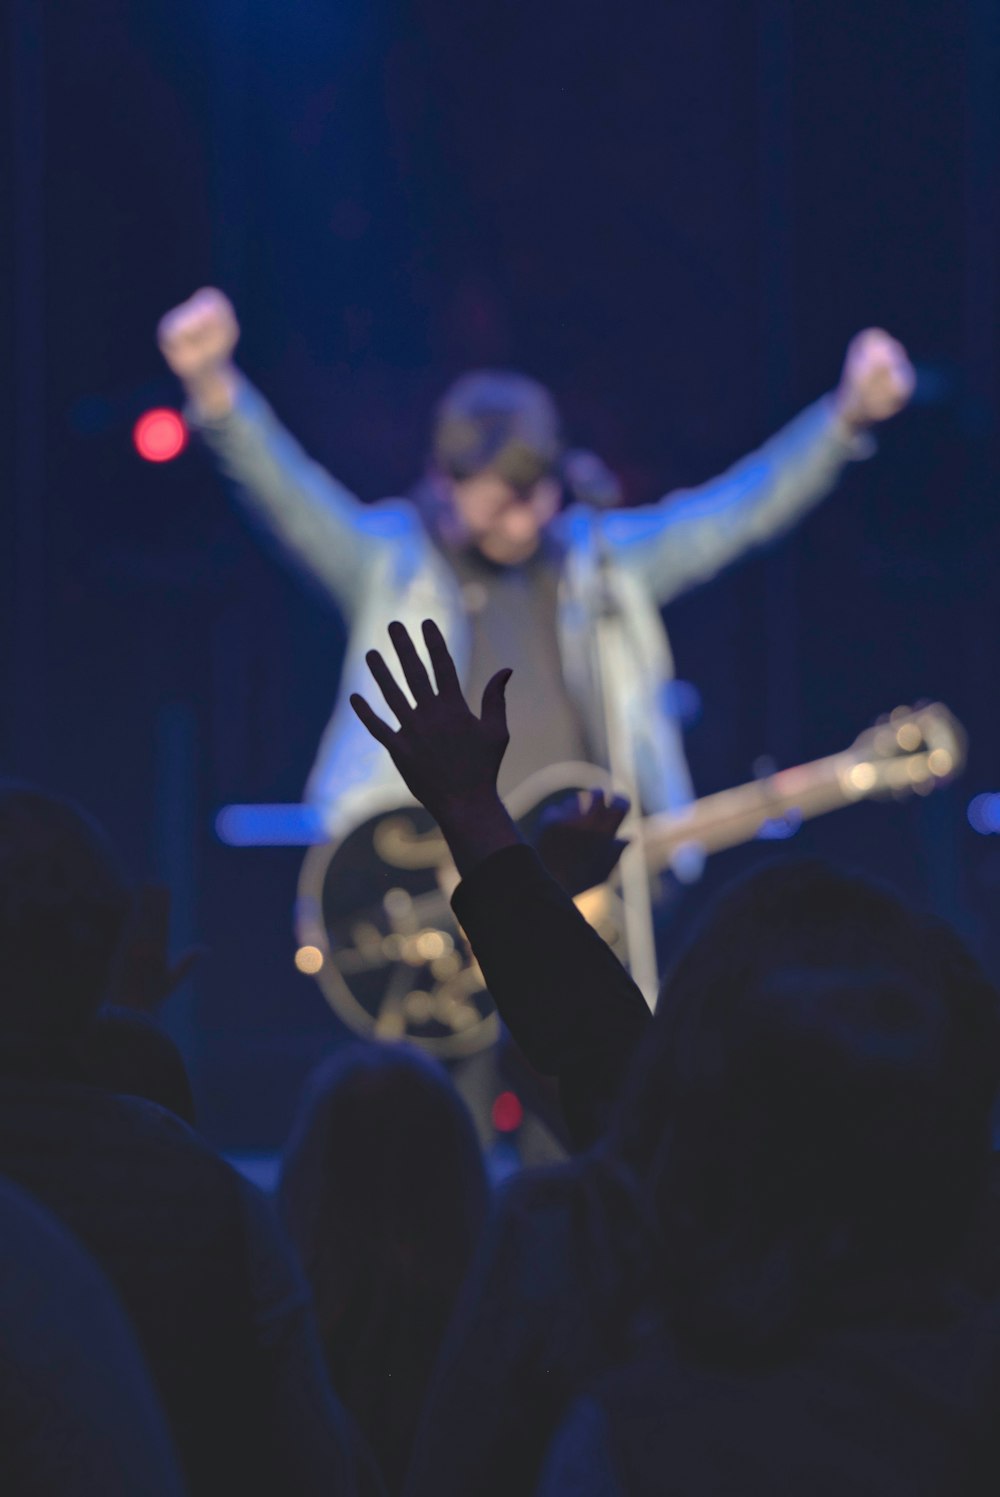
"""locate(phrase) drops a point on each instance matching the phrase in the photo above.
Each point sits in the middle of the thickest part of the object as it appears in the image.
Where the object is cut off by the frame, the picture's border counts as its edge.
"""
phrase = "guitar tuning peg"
(909, 737)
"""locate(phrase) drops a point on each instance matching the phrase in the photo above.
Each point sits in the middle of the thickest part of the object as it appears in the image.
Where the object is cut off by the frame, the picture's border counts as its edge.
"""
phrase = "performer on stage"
(485, 546)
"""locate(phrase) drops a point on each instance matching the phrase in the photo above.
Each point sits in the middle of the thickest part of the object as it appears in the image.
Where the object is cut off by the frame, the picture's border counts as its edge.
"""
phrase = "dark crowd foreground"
(772, 1264)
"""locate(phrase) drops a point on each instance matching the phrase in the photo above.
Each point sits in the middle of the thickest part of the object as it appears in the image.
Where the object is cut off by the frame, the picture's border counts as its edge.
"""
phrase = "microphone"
(589, 480)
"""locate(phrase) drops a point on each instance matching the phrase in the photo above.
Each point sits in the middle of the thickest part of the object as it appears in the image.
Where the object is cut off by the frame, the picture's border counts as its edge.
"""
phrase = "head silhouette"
(128, 1053)
(63, 905)
(810, 1121)
(383, 1191)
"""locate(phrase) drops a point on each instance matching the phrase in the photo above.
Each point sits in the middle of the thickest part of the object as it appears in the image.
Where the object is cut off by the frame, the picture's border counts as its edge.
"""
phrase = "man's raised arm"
(567, 1000)
(689, 536)
(318, 521)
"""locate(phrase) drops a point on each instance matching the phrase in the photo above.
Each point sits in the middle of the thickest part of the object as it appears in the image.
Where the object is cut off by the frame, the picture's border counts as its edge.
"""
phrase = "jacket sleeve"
(566, 999)
(319, 523)
(689, 536)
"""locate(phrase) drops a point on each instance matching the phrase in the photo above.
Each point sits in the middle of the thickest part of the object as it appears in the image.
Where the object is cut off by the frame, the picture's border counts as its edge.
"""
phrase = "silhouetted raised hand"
(449, 760)
(448, 757)
(442, 750)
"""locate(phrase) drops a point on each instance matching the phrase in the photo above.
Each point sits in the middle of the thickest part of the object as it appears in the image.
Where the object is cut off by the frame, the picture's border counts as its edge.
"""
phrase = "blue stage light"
(270, 826)
(984, 814)
(780, 827)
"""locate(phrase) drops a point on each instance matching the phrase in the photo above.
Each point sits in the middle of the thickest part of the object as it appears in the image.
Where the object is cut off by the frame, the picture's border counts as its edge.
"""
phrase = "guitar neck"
(732, 817)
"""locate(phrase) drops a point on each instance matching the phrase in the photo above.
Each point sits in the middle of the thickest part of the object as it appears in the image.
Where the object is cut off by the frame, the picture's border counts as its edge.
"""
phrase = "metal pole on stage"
(29, 613)
(637, 903)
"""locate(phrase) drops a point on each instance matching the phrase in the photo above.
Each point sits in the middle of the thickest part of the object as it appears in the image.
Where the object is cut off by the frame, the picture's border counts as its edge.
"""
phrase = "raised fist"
(877, 379)
(198, 338)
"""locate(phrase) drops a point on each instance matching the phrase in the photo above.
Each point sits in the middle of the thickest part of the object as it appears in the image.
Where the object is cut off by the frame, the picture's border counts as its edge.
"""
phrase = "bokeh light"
(508, 1114)
(309, 959)
(984, 814)
(160, 435)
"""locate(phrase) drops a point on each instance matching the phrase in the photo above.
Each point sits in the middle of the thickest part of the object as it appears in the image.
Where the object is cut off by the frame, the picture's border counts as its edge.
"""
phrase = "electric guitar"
(375, 926)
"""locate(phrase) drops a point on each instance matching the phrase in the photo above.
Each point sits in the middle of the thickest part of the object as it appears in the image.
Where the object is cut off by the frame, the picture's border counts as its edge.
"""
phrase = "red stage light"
(508, 1114)
(160, 435)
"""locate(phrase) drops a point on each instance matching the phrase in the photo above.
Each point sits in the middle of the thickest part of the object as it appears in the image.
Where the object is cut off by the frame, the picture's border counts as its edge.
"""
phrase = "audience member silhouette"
(78, 1413)
(384, 1192)
(126, 1052)
(809, 1128)
(771, 1271)
(222, 1314)
(777, 1216)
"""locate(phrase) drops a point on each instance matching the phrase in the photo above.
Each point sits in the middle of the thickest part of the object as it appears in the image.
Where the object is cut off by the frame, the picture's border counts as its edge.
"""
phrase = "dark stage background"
(676, 213)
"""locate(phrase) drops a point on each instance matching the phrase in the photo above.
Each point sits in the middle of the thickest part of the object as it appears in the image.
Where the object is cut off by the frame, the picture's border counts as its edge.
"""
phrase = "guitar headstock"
(914, 749)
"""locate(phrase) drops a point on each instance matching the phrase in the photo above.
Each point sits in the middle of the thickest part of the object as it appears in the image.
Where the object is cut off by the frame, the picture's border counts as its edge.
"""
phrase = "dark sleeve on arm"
(566, 999)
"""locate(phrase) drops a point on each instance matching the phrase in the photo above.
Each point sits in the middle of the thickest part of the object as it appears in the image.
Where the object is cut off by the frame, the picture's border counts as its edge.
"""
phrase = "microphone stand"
(611, 655)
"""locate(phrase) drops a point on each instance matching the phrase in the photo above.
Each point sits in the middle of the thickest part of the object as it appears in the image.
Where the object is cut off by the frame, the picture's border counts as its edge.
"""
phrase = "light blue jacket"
(378, 563)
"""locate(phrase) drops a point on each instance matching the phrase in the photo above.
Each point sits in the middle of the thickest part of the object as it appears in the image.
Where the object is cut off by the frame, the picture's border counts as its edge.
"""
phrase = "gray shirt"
(513, 617)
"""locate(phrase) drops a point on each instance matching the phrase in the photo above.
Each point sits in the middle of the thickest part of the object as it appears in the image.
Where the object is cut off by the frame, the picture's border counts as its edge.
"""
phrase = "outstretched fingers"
(379, 730)
(493, 714)
(617, 809)
(607, 812)
(395, 697)
(413, 667)
(445, 673)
